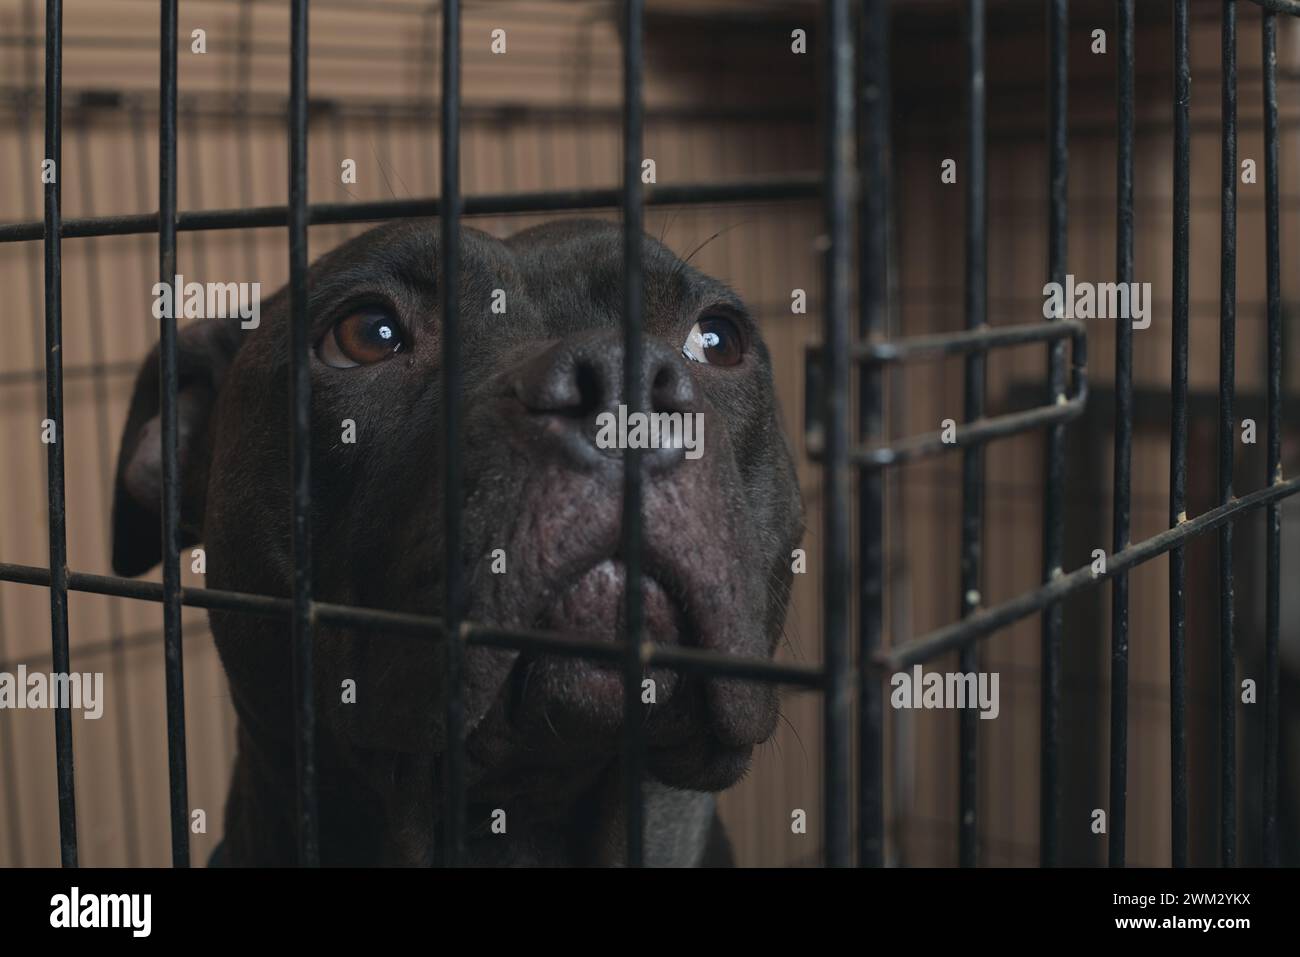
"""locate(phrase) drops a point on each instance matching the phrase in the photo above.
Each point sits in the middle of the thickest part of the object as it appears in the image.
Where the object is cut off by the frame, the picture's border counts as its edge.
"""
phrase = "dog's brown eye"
(715, 340)
(361, 339)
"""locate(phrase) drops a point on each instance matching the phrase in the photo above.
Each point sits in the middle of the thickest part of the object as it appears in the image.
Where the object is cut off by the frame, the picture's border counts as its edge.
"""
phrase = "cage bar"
(1123, 465)
(873, 305)
(411, 627)
(303, 617)
(1291, 7)
(173, 649)
(454, 755)
(321, 214)
(1178, 439)
(1227, 427)
(972, 463)
(54, 413)
(836, 475)
(986, 621)
(878, 352)
(633, 374)
(1054, 474)
(1273, 517)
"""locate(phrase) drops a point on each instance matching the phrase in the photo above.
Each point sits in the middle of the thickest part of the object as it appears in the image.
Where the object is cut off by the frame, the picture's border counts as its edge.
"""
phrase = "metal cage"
(856, 190)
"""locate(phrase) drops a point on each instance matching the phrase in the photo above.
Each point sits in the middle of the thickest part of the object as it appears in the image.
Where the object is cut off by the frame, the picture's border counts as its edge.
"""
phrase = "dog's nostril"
(564, 383)
(590, 390)
(671, 390)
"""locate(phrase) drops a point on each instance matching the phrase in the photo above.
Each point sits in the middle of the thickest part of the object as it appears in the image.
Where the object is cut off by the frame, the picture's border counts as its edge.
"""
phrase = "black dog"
(541, 515)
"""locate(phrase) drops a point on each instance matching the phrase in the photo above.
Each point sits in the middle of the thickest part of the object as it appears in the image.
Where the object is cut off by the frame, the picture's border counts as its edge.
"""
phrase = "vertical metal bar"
(1054, 478)
(633, 227)
(972, 464)
(1227, 426)
(1123, 439)
(54, 412)
(1178, 439)
(1273, 542)
(454, 757)
(837, 477)
(873, 293)
(177, 777)
(300, 445)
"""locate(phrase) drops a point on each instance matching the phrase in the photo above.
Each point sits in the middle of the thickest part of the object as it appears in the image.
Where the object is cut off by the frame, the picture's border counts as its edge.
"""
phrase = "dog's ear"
(204, 351)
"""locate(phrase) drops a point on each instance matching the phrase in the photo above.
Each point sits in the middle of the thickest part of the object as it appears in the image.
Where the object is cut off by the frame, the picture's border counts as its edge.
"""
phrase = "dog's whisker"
(382, 172)
(795, 731)
(398, 174)
(694, 252)
(546, 716)
(668, 224)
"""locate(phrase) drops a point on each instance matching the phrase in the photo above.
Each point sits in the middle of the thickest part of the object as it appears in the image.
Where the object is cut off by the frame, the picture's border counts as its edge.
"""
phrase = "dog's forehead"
(555, 279)
(572, 274)
(594, 250)
(581, 258)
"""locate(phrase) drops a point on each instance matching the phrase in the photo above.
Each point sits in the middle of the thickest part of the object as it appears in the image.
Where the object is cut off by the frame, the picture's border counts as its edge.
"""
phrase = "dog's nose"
(575, 388)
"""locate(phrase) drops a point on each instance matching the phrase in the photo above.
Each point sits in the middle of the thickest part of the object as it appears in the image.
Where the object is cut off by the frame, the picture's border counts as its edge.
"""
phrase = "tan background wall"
(726, 99)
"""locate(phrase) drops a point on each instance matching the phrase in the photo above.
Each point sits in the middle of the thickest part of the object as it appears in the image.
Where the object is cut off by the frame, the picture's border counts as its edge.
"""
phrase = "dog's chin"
(588, 694)
(699, 733)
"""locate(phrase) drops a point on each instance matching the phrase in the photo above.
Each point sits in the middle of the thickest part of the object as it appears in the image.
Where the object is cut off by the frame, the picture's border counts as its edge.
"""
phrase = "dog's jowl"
(543, 363)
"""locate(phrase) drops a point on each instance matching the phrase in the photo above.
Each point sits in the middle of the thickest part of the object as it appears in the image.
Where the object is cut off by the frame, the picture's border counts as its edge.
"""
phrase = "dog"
(540, 316)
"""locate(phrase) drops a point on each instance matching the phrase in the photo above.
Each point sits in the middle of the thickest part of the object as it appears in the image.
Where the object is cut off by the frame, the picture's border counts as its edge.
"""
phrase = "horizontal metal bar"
(974, 433)
(800, 186)
(984, 623)
(243, 104)
(965, 342)
(970, 434)
(28, 377)
(372, 7)
(684, 660)
(1280, 6)
(102, 647)
(425, 627)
